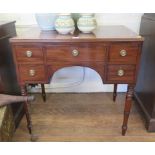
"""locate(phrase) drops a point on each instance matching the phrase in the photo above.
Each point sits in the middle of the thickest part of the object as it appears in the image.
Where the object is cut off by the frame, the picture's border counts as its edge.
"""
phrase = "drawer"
(123, 53)
(28, 54)
(32, 72)
(122, 73)
(76, 53)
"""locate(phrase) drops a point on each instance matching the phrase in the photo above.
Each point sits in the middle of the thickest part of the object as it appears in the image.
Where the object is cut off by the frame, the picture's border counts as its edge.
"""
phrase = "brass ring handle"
(75, 53)
(120, 72)
(29, 54)
(123, 53)
(32, 72)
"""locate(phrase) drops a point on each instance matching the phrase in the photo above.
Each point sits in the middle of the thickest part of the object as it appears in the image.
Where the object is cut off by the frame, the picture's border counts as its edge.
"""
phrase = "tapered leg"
(43, 92)
(128, 104)
(115, 92)
(28, 117)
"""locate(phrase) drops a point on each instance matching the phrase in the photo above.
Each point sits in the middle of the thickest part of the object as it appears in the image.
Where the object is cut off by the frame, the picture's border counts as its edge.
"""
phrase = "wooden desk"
(113, 51)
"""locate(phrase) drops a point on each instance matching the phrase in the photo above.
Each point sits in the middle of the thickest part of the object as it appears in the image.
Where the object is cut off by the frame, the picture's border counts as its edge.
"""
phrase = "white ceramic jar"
(46, 21)
(87, 23)
(64, 24)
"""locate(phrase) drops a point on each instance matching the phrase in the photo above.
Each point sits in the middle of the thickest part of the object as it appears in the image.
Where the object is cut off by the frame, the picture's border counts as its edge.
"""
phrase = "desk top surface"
(102, 33)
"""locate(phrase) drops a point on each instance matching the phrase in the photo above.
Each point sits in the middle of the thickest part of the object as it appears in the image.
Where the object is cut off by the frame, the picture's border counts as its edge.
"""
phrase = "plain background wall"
(79, 79)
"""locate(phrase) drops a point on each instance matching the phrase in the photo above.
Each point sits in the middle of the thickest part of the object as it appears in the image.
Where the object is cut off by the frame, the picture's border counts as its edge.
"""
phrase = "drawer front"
(75, 53)
(123, 53)
(122, 73)
(28, 54)
(32, 73)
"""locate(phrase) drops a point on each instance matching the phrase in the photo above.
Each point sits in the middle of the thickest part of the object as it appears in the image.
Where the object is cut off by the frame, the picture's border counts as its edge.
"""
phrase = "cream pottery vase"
(86, 23)
(64, 24)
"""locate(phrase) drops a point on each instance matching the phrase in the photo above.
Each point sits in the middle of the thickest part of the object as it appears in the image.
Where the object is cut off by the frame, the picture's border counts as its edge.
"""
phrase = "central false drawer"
(75, 53)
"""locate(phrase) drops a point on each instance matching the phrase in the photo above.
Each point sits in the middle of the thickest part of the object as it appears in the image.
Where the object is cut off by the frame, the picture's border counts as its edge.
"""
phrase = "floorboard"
(82, 117)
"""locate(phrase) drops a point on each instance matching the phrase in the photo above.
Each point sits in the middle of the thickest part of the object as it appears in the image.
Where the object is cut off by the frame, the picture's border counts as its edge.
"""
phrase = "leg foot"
(34, 138)
(124, 129)
(29, 126)
(115, 92)
(128, 103)
(43, 92)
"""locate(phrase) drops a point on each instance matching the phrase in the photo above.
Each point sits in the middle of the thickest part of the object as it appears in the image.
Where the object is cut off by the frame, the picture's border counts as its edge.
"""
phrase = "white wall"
(78, 79)
(131, 20)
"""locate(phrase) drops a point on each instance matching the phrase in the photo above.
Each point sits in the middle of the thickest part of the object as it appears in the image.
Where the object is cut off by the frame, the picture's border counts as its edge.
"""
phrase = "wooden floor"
(82, 117)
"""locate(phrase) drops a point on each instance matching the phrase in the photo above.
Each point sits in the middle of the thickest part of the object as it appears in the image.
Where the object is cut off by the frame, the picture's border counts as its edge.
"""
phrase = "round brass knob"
(75, 53)
(120, 72)
(123, 53)
(32, 72)
(29, 54)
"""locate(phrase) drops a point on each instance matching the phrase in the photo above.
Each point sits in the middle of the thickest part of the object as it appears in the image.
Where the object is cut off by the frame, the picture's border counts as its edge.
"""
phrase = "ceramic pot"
(46, 21)
(87, 23)
(75, 17)
(64, 24)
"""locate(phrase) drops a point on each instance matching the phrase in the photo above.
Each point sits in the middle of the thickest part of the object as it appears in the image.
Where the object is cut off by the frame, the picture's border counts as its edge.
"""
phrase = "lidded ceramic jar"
(87, 22)
(64, 24)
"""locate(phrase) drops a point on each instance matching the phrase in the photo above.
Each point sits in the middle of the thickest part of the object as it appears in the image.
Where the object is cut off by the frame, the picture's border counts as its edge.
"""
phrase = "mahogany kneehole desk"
(113, 51)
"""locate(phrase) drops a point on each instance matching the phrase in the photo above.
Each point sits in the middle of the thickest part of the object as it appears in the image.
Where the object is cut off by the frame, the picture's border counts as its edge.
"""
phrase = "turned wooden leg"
(28, 117)
(128, 104)
(43, 92)
(115, 92)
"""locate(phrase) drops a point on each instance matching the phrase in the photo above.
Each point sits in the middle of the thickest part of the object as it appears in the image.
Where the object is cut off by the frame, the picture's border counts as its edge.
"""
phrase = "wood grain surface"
(82, 117)
(102, 33)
